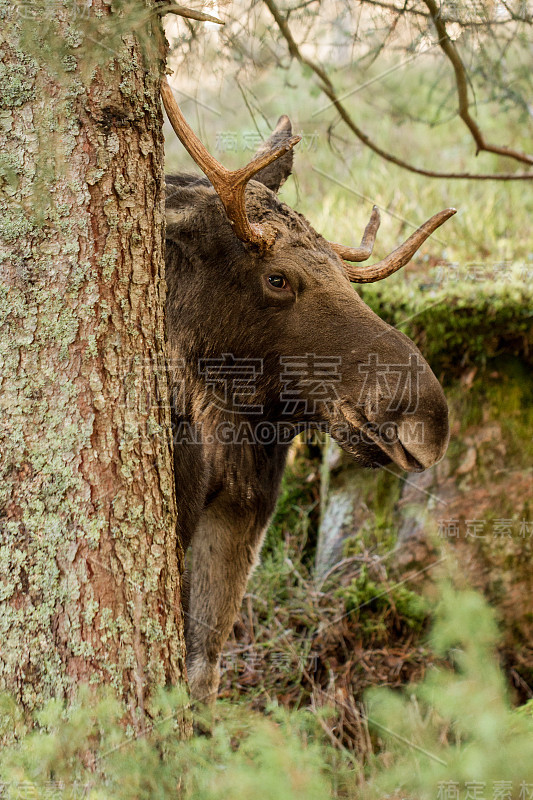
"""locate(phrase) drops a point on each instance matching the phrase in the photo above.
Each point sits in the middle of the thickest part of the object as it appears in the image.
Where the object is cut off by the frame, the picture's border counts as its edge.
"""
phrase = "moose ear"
(275, 175)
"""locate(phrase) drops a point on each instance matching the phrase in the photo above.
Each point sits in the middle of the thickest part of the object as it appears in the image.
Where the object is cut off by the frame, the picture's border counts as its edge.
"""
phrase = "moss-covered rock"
(461, 322)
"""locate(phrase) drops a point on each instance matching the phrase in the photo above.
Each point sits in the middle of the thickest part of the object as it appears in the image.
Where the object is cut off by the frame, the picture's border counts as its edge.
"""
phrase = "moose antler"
(230, 185)
(395, 260)
(364, 250)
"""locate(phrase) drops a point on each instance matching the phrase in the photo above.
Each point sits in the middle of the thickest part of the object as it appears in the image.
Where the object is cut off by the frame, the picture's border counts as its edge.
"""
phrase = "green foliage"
(370, 602)
(86, 751)
(457, 725)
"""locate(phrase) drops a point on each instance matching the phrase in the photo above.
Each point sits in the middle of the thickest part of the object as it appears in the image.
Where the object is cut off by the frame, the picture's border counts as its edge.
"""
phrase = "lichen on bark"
(89, 563)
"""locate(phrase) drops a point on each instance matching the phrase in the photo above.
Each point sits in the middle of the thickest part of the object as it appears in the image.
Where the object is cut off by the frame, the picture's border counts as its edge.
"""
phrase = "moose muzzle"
(396, 411)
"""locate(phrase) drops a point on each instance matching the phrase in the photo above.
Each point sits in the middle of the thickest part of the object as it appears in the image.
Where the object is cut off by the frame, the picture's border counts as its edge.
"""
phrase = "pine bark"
(89, 562)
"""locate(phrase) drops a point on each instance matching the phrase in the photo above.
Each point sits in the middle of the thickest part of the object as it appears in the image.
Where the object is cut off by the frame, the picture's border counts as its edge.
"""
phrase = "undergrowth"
(298, 637)
(455, 728)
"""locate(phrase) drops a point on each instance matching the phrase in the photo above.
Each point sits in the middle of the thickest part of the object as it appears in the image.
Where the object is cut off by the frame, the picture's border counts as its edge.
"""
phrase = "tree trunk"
(89, 562)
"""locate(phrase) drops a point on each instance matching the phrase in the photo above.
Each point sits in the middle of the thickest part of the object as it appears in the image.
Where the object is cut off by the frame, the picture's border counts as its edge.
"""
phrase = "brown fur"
(220, 301)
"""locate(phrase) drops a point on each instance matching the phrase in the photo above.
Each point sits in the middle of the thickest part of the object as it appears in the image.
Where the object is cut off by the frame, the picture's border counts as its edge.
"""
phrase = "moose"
(254, 293)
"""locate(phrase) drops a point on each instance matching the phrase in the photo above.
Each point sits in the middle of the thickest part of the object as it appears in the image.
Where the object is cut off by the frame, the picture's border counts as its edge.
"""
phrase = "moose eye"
(278, 282)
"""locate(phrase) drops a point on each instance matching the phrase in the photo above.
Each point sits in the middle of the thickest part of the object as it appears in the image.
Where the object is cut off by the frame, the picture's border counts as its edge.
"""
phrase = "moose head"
(256, 281)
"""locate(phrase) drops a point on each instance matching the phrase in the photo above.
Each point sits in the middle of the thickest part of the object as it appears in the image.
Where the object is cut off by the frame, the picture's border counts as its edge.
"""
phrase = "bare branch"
(188, 13)
(449, 49)
(329, 90)
(464, 23)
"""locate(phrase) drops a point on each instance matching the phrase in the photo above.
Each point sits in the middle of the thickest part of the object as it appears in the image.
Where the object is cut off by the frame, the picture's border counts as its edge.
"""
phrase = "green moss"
(501, 394)
(372, 602)
(460, 323)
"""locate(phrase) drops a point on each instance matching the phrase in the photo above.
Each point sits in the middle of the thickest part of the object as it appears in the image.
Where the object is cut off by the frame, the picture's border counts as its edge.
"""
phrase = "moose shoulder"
(268, 336)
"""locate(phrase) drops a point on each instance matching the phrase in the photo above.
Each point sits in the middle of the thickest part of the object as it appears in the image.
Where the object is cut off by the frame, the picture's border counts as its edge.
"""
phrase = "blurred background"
(397, 86)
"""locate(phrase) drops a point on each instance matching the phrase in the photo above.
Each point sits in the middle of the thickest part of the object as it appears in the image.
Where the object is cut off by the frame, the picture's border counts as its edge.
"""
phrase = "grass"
(295, 636)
